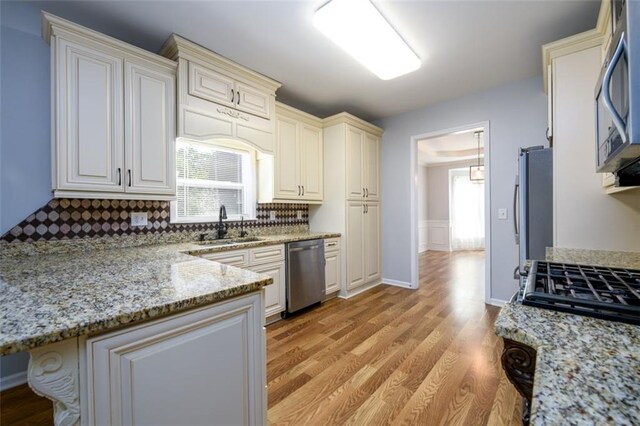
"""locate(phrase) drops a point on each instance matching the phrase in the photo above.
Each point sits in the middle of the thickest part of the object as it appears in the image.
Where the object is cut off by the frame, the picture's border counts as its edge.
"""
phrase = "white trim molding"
(423, 236)
(496, 302)
(396, 283)
(13, 380)
(439, 235)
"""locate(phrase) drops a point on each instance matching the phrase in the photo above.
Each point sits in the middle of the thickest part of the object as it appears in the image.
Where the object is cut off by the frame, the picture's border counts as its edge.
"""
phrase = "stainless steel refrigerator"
(533, 205)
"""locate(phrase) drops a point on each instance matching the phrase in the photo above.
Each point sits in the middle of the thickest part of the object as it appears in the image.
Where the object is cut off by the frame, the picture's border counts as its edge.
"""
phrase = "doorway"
(450, 198)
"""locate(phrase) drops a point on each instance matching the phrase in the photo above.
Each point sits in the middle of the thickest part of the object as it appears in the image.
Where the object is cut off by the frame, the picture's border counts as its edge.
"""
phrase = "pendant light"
(476, 173)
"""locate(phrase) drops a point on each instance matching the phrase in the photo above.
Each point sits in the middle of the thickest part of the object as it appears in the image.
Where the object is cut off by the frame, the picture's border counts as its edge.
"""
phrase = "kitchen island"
(582, 370)
(138, 334)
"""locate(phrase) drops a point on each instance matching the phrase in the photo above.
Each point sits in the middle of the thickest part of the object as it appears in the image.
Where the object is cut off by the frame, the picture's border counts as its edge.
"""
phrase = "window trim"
(250, 174)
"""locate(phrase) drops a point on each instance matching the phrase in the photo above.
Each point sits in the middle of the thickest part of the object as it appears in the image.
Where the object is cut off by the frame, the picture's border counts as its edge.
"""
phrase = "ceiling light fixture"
(359, 28)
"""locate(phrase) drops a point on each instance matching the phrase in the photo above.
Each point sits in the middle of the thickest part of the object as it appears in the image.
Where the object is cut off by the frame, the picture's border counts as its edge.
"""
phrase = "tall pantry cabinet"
(351, 203)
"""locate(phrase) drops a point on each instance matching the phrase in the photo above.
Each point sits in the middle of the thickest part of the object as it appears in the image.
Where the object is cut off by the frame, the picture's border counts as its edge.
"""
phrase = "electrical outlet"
(272, 215)
(139, 219)
(299, 214)
(502, 214)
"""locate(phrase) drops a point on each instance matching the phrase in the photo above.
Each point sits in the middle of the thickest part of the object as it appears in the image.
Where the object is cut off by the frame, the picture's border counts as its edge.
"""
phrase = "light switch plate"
(502, 214)
(299, 214)
(139, 219)
(272, 215)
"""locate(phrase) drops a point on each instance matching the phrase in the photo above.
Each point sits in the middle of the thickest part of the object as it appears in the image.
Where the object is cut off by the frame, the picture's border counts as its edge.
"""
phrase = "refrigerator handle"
(516, 213)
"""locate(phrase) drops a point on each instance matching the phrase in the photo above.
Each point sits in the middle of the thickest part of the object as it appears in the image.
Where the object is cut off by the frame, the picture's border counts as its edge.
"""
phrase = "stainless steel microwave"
(617, 97)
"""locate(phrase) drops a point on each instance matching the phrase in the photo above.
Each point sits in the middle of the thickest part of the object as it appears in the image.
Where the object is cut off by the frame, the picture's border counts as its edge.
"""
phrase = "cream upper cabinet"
(149, 103)
(220, 99)
(311, 162)
(371, 167)
(88, 118)
(297, 173)
(113, 116)
(363, 157)
(287, 164)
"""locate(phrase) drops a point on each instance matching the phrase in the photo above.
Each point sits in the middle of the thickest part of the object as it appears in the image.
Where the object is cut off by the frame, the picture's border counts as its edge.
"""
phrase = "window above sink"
(209, 175)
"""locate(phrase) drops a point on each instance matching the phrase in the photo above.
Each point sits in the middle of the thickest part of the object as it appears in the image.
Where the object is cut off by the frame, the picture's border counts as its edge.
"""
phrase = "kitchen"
(91, 287)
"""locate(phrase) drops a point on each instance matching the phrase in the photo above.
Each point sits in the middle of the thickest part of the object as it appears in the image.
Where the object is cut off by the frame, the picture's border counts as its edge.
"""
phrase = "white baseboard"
(348, 294)
(496, 302)
(422, 248)
(13, 380)
(397, 283)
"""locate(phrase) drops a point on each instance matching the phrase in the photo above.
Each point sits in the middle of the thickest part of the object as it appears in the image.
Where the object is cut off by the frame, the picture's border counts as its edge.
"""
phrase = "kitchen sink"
(228, 241)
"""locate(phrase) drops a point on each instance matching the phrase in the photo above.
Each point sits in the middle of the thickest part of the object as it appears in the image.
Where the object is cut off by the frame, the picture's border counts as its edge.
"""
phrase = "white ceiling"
(465, 46)
(454, 147)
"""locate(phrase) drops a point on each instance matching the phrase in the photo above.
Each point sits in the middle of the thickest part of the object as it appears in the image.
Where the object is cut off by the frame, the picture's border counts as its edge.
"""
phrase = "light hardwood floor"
(387, 356)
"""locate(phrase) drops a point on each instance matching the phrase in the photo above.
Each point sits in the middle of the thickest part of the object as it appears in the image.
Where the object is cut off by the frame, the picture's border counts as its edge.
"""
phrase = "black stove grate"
(601, 292)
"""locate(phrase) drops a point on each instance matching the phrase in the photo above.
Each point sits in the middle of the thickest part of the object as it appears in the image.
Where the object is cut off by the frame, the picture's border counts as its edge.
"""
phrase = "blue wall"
(517, 115)
(25, 143)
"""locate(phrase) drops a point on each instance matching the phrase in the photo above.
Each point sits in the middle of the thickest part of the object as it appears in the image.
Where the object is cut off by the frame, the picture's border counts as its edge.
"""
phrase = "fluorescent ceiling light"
(359, 28)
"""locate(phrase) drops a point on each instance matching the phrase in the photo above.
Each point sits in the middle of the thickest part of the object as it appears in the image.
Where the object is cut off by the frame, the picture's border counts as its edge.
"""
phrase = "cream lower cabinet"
(113, 116)
(204, 366)
(268, 260)
(333, 277)
(363, 244)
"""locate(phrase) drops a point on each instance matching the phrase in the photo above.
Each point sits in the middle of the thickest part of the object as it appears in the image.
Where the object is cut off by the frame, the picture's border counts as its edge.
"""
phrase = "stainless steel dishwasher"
(305, 274)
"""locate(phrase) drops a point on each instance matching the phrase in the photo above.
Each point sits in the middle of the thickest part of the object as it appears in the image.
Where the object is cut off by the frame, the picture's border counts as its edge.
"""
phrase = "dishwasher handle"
(304, 248)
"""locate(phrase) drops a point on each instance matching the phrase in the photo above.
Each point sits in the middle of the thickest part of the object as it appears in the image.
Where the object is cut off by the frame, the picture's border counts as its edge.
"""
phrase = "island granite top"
(52, 296)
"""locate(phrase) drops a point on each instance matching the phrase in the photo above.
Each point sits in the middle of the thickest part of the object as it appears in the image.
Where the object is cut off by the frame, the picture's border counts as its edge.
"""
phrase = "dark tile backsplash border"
(68, 219)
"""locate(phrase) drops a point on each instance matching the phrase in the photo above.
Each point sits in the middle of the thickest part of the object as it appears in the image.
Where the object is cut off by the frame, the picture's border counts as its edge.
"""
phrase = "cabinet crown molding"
(55, 26)
(286, 110)
(177, 47)
(577, 42)
(346, 118)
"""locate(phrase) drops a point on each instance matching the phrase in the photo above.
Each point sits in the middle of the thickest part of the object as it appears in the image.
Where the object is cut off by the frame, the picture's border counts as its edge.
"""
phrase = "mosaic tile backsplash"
(68, 219)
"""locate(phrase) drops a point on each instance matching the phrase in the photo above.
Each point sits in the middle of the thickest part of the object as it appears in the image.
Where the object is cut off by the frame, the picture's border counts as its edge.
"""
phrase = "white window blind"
(209, 176)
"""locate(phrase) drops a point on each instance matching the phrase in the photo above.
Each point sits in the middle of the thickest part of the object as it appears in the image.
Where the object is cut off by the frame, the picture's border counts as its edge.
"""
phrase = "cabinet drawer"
(331, 244)
(266, 254)
(239, 258)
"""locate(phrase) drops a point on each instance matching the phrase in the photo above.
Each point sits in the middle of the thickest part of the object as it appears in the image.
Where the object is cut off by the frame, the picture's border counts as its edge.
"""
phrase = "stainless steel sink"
(228, 241)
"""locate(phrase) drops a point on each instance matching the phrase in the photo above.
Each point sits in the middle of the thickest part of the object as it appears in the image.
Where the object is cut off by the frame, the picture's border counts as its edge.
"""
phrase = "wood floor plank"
(387, 356)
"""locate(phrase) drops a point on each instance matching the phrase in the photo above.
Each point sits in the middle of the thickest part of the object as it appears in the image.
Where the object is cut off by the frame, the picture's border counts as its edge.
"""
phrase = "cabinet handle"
(238, 97)
(129, 171)
(298, 189)
(119, 176)
(303, 190)
(367, 192)
(332, 244)
(233, 95)
(363, 192)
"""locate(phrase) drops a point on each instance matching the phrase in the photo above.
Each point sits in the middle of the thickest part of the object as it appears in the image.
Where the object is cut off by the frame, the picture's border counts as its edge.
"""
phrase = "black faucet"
(222, 227)
(243, 233)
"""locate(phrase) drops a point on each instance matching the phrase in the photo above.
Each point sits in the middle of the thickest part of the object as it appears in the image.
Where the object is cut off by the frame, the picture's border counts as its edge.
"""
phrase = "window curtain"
(467, 211)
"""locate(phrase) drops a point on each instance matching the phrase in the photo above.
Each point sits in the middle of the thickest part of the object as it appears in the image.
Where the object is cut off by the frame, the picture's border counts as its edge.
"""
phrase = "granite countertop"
(587, 370)
(63, 293)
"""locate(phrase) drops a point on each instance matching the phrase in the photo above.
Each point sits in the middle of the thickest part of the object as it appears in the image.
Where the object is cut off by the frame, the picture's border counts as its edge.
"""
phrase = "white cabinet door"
(372, 167)
(205, 366)
(311, 162)
(207, 84)
(252, 100)
(89, 153)
(372, 242)
(274, 294)
(355, 244)
(355, 155)
(332, 271)
(287, 164)
(150, 123)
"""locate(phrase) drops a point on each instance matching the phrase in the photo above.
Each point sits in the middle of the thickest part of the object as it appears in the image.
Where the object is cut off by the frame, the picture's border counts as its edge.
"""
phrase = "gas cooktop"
(600, 292)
